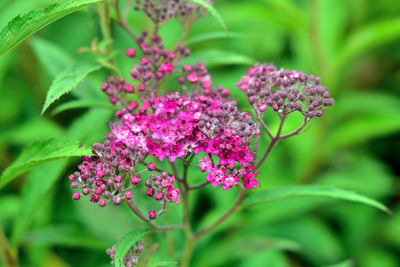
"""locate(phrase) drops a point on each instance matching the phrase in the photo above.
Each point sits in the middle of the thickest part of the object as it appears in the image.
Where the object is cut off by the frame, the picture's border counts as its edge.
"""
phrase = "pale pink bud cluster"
(284, 91)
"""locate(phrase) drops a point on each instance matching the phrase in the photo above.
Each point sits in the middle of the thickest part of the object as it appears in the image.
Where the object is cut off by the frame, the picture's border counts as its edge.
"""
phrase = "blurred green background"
(354, 46)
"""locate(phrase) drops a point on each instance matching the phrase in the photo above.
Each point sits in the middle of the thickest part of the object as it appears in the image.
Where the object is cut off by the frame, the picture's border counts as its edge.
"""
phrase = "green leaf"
(292, 15)
(29, 131)
(21, 27)
(269, 195)
(210, 36)
(347, 263)
(245, 246)
(41, 151)
(212, 11)
(367, 38)
(68, 80)
(63, 236)
(126, 243)
(9, 205)
(356, 122)
(320, 244)
(89, 128)
(34, 191)
(83, 103)
(52, 58)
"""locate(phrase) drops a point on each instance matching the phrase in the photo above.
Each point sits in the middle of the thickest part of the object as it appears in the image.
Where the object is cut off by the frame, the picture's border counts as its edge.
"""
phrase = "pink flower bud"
(262, 106)
(98, 191)
(100, 174)
(128, 195)
(130, 52)
(151, 166)
(102, 203)
(135, 180)
(152, 215)
(144, 61)
(85, 191)
(150, 192)
(118, 179)
(159, 196)
(76, 196)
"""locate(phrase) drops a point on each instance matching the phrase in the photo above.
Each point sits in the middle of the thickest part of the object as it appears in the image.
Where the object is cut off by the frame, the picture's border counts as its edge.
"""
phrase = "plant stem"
(198, 186)
(225, 216)
(189, 238)
(104, 16)
(274, 141)
(260, 120)
(7, 254)
(122, 22)
(170, 240)
(296, 132)
(187, 251)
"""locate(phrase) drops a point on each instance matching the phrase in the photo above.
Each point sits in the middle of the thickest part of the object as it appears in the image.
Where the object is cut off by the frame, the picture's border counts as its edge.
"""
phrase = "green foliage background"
(353, 45)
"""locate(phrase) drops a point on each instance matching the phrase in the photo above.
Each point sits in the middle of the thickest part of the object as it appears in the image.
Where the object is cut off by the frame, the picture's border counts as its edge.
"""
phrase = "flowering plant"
(171, 118)
(199, 122)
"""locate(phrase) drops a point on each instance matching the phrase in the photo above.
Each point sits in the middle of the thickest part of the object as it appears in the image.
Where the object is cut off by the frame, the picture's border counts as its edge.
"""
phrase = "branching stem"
(225, 216)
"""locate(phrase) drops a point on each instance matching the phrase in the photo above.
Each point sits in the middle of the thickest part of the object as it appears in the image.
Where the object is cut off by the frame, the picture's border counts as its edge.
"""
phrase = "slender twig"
(170, 240)
(157, 169)
(189, 238)
(122, 22)
(225, 216)
(185, 33)
(271, 145)
(104, 17)
(296, 132)
(198, 186)
(175, 171)
(138, 213)
(260, 120)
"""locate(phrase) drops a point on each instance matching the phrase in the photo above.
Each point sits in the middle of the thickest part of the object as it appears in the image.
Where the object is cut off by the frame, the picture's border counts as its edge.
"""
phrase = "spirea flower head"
(175, 125)
(132, 256)
(284, 91)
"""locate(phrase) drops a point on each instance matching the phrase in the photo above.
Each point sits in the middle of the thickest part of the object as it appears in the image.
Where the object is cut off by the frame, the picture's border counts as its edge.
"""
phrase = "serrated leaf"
(212, 11)
(68, 80)
(126, 243)
(41, 151)
(211, 36)
(269, 195)
(25, 25)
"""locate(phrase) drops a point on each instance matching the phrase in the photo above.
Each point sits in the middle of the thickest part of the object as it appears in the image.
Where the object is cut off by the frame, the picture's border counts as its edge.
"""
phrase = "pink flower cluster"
(175, 125)
(201, 122)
